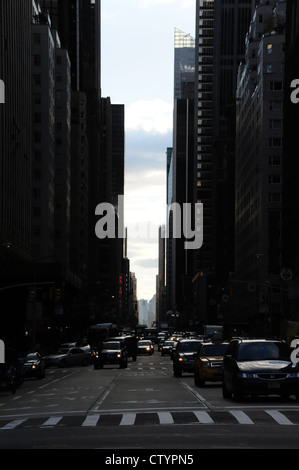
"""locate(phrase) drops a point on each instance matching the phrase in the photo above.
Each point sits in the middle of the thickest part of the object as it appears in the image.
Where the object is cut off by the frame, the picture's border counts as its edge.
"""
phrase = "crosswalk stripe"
(165, 417)
(91, 420)
(203, 417)
(279, 417)
(241, 417)
(128, 419)
(13, 424)
(52, 421)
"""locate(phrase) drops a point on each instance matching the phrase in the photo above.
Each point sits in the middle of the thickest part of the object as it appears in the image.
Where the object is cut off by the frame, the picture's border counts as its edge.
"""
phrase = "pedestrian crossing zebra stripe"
(158, 417)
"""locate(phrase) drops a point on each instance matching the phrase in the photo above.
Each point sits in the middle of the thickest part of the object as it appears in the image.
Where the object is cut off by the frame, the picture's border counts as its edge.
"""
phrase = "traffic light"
(58, 293)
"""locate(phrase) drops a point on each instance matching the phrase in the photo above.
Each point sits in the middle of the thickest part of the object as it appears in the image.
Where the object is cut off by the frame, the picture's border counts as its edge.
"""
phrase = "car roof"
(258, 340)
(214, 342)
(191, 340)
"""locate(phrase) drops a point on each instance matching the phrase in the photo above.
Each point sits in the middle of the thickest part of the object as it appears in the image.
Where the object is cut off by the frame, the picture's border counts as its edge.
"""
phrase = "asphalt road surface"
(142, 408)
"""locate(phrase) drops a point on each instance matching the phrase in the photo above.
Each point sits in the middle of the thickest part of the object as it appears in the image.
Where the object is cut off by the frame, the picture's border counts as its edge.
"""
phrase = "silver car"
(65, 357)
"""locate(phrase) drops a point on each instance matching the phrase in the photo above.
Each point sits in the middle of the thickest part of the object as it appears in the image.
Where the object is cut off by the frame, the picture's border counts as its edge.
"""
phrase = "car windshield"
(189, 346)
(63, 351)
(113, 346)
(168, 343)
(259, 351)
(213, 350)
(31, 357)
(144, 343)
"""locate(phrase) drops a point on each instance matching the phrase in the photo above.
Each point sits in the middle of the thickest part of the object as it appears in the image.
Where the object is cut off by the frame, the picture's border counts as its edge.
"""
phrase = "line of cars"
(117, 350)
(245, 367)
(33, 365)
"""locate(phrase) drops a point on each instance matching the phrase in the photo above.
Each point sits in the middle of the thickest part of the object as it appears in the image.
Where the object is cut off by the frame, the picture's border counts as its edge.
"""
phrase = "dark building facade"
(62, 154)
(290, 167)
(221, 28)
(15, 128)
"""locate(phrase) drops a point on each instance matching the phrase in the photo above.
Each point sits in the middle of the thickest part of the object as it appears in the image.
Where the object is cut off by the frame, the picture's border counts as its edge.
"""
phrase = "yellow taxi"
(208, 362)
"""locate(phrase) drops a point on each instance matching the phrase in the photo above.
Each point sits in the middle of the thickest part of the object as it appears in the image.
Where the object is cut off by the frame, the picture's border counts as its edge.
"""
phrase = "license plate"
(273, 385)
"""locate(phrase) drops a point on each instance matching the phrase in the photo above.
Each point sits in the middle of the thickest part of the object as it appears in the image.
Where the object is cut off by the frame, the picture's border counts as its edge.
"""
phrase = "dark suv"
(112, 352)
(259, 367)
(183, 357)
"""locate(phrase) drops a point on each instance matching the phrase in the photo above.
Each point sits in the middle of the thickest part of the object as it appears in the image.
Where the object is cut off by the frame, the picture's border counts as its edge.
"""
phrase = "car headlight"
(206, 365)
(293, 375)
(119, 355)
(33, 366)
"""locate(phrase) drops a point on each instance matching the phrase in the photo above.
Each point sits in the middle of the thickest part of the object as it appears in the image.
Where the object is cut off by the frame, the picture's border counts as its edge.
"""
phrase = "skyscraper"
(180, 170)
(259, 149)
(221, 28)
(15, 128)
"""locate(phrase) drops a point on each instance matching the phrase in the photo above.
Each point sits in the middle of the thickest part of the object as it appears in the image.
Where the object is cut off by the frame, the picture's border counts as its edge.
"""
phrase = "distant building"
(161, 278)
(143, 312)
(180, 178)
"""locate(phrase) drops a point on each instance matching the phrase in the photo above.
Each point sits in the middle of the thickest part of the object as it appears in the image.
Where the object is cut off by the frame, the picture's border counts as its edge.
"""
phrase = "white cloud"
(187, 4)
(155, 116)
(154, 3)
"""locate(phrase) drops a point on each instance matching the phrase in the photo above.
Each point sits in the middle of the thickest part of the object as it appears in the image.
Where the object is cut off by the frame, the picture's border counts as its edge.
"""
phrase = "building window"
(36, 38)
(274, 179)
(276, 86)
(269, 48)
(275, 142)
(275, 124)
(37, 79)
(37, 60)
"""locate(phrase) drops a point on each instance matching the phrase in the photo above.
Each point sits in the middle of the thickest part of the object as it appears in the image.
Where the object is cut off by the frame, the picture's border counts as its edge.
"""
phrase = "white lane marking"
(165, 417)
(52, 421)
(91, 420)
(241, 417)
(128, 419)
(279, 417)
(13, 424)
(203, 417)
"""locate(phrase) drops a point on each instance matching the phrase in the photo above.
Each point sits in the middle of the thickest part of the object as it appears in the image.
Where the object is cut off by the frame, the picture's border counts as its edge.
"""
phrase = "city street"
(141, 407)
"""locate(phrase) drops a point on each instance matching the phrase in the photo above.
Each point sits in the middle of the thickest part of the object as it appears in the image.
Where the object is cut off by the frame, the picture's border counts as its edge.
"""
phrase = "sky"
(138, 71)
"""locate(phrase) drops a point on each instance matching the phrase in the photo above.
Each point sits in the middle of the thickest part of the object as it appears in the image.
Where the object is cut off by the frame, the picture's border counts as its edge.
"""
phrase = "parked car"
(65, 357)
(208, 363)
(183, 357)
(259, 367)
(167, 347)
(33, 366)
(145, 347)
(112, 352)
(11, 376)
